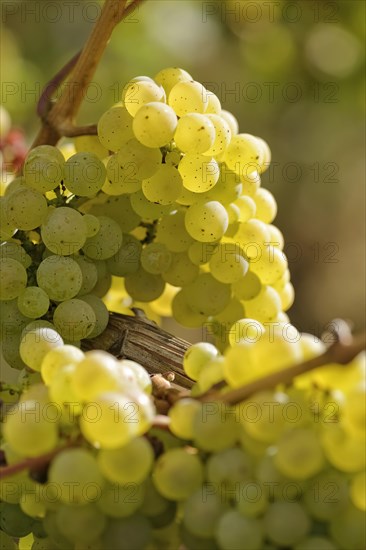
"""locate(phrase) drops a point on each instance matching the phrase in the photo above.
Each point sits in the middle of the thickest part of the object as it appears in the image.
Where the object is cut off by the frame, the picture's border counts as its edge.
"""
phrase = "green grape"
(265, 306)
(121, 177)
(26, 209)
(64, 231)
(135, 79)
(235, 532)
(145, 160)
(154, 124)
(315, 543)
(287, 296)
(245, 331)
(155, 258)
(16, 252)
(185, 315)
(106, 242)
(195, 133)
(57, 540)
(207, 296)
(196, 357)
(299, 454)
(10, 348)
(253, 500)
(202, 511)
(127, 260)
(276, 237)
(181, 271)
(128, 464)
(35, 344)
(228, 264)
(266, 205)
(213, 104)
(327, 496)
(92, 225)
(115, 128)
(177, 474)
(111, 420)
(348, 529)
(222, 133)
(14, 185)
(104, 279)
(215, 427)
(96, 372)
(80, 524)
(84, 174)
(7, 542)
(143, 286)
(286, 523)
(101, 314)
(60, 277)
(143, 379)
(199, 173)
(172, 158)
(58, 358)
(74, 319)
(239, 364)
(206, 221)
(89, 274)
(252, 236)
(169, 77)
(231, 120)
(181, 417)
(33, 302)
(119, 209)
(30, 428)
(77, 476)
(61, 393)
(121, 500)
(137, 94)
(247, 208)
(250, 183)
(160, 511)
(227, 469)
(13, 279)
(164, 187)
(127, 534)
(212, 373)
(172, 232)
(91, 144)
(266, 155)
(187, 198)
(44, 168)
(277, 349)
(200, 253)
(14, 522)
(228, 188)
(354, 411)
(31, 502)
(188, 97)
(244, 154)
(146, 209)
(358, 491)
(345, 452)
(7, 229)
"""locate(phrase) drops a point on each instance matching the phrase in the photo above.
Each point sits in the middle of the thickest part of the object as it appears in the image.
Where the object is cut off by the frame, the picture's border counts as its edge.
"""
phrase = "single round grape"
(231, 121)
(92, 225)
(137, 94)
(207, 296)
(245, 331)
(100, 311)
(155, 258)
(252, 237)
(188, 97)
(222, 134)
(74, 319)
(106, 242)
(135, 79)
(196, 357)
(7, 229)
(26, 209)
(244, 154)
(234, 532)
(199, 172)
(154, 124)
(84, 174)
(348, 529)
(270, 265)
(344, 451)
(266, 205)
(253, 500)
(226, 470)
(239, 364)
(16, 252)
(212, 373)
(228, 264)
(121, 177)
(60, 277)
(96, 372)
(13, 279)
(125, 534)
(120, 501)
(286, 523)
(202, 511)
(81, 524)
(169, 77)
(195, 133)
(115, 128)
(184, 314)
(215, 428)
(177, 474)
(33, 302)
(327, 496)
(128, 464)
(127, 260)
(58, 358)
(143, 286)
(265, 306)
(181, 417)
(213, 104)
(299, 454)
(247, 208)
(144, 160)
(12, 321)
(64, 231)
(44, 168)
(142, 377)
(181, 271)
(14, 522)
(266, 155)
(164, 187)
(172, 232)
(206, 221)
(119, 209)
(146, 209)
(91, 144)
(35, 344)
(200, 253)
(89, 274)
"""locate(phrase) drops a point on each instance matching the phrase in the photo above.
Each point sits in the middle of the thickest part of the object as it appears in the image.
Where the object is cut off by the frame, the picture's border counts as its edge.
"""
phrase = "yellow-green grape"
(12, 321)
(60, 277)
(143, 286)
(277, 348)
(195, 133)
(77, 476)
(270, 264)
(226, 469)
(348, 529)
(199, 173)
(206, 221)
(188, 97)
(119, 501)
(35, 344)
(266, 205)
(248, 287)
(26, 208)
(81, 525)
(92, 225)
(110, 420)
(265, 306)
(101, 314)
(233, 528)
(31, 502)
(245, 330)
(127, 260)
(212, 373)
(74, 319)
(14, 185)
(266, 155)
(89, 274)
(196, 357)
(146, 209)
(142, 376)
(188, 197)
(64, 231)
(239, 364)
(128, 464)
(200, 253)
(228, 264)
(234, 215)
(181, 271)
(137, 94)
(213, 104)
(169, 77)
(30, 428)
(207, 296)
(344, 451)
(33, 302)
(172, 232)
(172, 158)
(184, 314)
(215, 427)
(58, 358)
(135, 79)
(202, 510)
(276, 237)
(222, 133)
(287, 296)
(264, 416)
(60, 390)
(244, 155)
(96, 372)
(252, 236)
(231, 121)
(91, 144)
(247, 208)
(181, 417)
(84, 174)
(115, 128)
(145, 160)
(154, 124)
(354, 410)
(44, 168)
(106, 242)
(164, 187)
(358, 491)
(286, 523)
(253, 500)
(327, 496)
(251, 183)
(156, 258)
(13, 279)
(16, 252)
(121, 177)
(7, 229)
(177, 474)
(119, 209)
(299, 454)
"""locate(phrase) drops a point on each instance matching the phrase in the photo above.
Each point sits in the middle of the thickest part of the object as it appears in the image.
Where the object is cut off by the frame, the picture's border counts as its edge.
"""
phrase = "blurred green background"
(292, 72)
